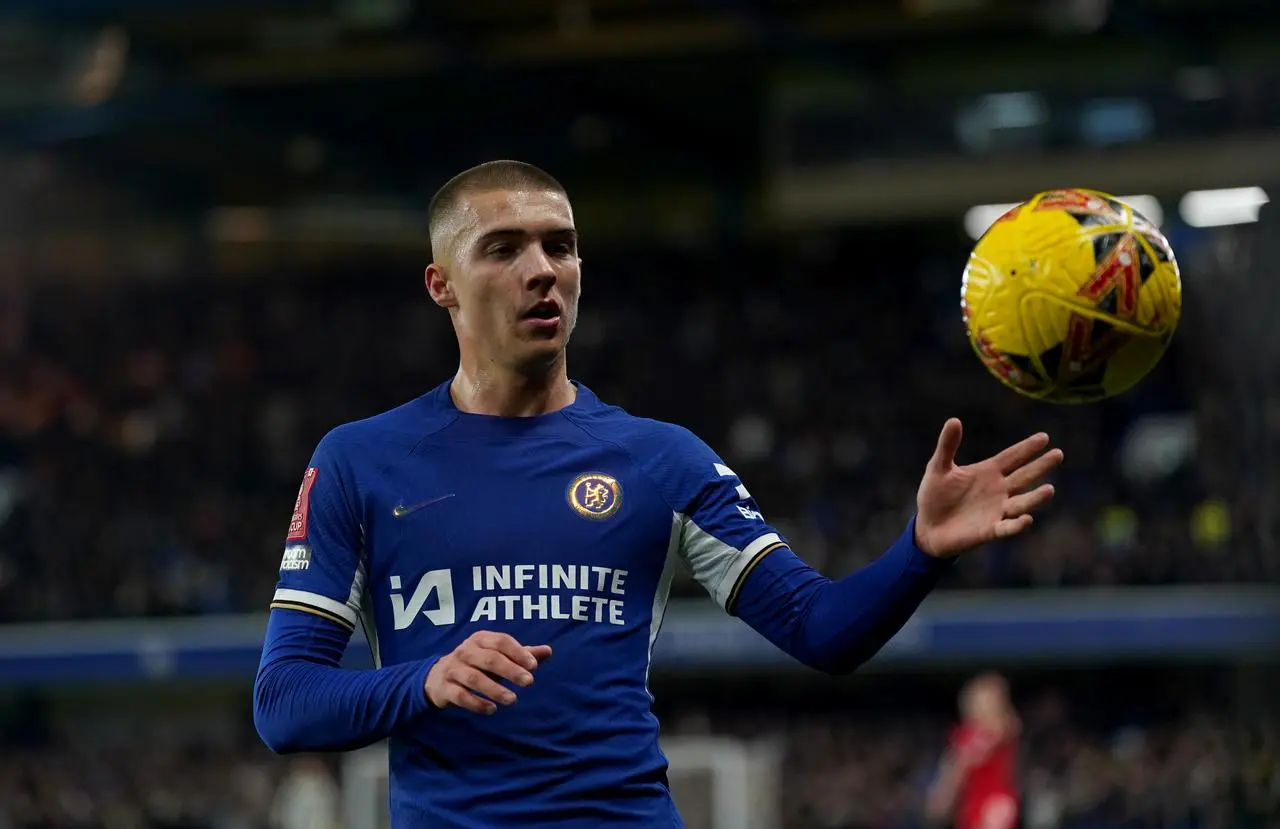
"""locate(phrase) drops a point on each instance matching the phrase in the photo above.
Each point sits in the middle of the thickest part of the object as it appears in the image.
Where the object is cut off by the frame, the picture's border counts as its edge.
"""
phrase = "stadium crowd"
(1204, 769)
(152, 436)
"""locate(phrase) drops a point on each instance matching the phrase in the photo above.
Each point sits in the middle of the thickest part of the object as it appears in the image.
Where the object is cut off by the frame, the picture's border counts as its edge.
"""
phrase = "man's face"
(986, 700)
(514, 275)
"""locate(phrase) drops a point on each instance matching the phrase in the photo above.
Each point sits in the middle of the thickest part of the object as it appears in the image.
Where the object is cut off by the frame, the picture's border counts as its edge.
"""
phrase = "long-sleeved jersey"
(426, 524)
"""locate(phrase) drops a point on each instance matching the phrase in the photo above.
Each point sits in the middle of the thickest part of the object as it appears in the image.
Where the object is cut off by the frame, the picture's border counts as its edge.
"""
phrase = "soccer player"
(508, 539)
(976, 786)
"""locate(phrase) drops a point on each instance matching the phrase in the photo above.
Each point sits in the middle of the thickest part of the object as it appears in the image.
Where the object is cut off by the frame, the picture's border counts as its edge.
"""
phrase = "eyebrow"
(561, 233)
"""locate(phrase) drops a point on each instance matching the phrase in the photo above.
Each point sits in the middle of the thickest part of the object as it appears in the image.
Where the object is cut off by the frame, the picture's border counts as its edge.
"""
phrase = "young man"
(509, 515)
(976, 787)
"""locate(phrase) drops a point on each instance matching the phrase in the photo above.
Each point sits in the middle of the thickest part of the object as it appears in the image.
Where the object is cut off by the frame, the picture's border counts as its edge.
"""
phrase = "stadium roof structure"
(255, 101)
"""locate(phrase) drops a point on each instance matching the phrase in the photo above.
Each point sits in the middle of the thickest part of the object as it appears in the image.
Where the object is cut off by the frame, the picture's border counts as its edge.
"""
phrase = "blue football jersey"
(426, 524)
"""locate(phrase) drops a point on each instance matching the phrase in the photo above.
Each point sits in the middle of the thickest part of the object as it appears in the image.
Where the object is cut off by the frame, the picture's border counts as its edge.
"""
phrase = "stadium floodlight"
(981, 216)
(1218, 208)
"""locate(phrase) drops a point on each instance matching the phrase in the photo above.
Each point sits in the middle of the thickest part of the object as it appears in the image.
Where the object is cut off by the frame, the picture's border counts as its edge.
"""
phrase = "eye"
(501, 250)
(559, 248)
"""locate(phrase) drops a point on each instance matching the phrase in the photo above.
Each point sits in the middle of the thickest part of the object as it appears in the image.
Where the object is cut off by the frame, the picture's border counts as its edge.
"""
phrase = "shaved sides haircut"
(492, 175)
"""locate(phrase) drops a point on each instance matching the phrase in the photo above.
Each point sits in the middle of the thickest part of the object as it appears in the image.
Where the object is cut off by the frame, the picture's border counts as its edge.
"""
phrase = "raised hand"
(962, 507)
(468, 677)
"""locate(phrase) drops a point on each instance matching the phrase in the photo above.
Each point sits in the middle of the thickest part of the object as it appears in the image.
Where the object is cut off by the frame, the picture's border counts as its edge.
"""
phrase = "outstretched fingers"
(1026, 475)
(944, 456)
(1021, 452)
(1020, 505)
(1018, 508)
(1009, 527)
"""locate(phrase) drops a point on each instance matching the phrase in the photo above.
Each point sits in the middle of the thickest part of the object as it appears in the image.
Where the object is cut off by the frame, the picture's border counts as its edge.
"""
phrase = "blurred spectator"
(308, 798)
(1204, 769)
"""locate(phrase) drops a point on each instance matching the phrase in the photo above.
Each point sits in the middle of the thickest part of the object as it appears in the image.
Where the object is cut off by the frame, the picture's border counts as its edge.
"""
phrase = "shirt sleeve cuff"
(918, 559)
(422, 704)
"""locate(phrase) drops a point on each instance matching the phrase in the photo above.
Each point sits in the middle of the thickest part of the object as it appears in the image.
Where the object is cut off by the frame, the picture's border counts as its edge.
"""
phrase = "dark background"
(212, 235)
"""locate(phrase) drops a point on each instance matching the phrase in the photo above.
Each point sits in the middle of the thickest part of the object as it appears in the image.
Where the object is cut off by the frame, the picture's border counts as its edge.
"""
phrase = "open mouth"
(546, 311)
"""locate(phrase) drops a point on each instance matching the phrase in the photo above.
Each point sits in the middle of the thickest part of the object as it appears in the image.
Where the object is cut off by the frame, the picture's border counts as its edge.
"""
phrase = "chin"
(539, 356)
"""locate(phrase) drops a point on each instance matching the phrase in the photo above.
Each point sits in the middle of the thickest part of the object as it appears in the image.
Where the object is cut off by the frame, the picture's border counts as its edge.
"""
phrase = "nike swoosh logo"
(401, 510)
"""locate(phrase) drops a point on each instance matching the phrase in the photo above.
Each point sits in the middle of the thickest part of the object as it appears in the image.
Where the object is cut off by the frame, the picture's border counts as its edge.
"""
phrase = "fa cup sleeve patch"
(302, 507)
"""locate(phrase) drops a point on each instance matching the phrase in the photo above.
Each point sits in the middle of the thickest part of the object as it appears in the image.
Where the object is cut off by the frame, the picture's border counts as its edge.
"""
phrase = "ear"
(439, 286)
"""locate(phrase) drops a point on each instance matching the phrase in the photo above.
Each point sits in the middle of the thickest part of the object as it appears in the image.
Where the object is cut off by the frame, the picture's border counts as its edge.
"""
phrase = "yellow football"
(1071, 296)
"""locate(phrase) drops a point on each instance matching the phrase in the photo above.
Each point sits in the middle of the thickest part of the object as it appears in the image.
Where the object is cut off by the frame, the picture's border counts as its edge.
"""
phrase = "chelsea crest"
(595, 495)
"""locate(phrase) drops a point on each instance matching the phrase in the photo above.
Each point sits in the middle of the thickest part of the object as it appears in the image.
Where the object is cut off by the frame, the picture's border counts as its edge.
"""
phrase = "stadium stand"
(177, 424)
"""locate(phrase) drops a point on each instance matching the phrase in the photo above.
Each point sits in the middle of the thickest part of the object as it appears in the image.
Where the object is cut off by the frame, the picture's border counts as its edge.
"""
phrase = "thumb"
(944, 457)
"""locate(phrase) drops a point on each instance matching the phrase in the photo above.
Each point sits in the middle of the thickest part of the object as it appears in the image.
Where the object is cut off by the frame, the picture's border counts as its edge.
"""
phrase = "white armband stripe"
(715, 564)
(744, 561)
(339, 609)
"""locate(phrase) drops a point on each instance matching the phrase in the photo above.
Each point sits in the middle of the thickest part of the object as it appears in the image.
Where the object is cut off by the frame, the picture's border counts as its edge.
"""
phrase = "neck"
(507, 393)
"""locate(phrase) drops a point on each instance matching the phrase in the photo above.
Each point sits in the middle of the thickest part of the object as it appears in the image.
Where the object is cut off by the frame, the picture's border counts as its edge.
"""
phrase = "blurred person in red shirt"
(976, 786)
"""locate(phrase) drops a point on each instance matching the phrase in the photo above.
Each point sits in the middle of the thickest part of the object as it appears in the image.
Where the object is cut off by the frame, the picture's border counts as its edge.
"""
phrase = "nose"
(541, 273)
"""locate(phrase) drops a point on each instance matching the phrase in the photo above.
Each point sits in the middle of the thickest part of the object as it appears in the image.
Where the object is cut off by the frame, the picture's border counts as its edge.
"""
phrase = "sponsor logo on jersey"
(595, 495)
(740, 489)
(513, 592)
(402, 509)
(296, 557)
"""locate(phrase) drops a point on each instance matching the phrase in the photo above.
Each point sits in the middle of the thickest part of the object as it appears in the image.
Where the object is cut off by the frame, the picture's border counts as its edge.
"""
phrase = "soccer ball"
(1071, 296)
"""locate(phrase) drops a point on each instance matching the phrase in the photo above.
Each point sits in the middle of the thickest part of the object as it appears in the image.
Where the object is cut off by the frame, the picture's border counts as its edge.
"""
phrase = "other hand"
(468, 677)
(962, 507)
